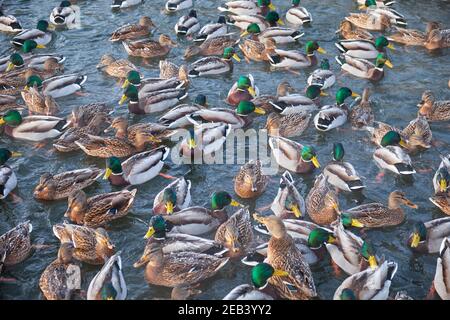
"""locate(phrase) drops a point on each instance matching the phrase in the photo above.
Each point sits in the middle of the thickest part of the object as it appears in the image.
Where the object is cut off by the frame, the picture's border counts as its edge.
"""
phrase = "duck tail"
(253, 258)
(392, 270)
(193, 73)
(81, 79)
(297, 35)
(340, 59)
(340, 47)
(355, 185)
(404, 168)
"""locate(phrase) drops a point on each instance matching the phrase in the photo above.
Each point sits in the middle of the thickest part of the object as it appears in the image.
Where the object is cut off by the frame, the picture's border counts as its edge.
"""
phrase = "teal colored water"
(395, 99)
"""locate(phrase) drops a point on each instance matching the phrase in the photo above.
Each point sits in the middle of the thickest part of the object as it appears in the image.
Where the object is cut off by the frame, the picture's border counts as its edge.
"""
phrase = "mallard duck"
(39, 103)
(122, 4)
(371, 21)
(8, 102)
(256, 50)
(323, 77)
(373, 8)
(380, 129)
(361, 115)
(418, 134)
(342, 174)
(236, 233)
(118, 68)
(177, 5)
(66, 142)
(188, 24)
(413, 37)
(62, 277)
(211, 46)
(279, 35)
(98, 210)
(441, 179)
(198, 220)
(61, 86)
(43, 63)
(250, 182)
(427, 237)
(271, 19)
(32, 128)
(284, 255)
(9, 23)
(288, 201)
(168, 70)
(376, 215)
(82, 115)
(347, 31)
(322, 202)
(133, 31)
(370, 284)
(440, 282)
(138, 169)
(391, 157)
(438, 39)
(155, 101)
(362, 68)
(92, 246)
(351, 253)
(149, 48)
(174, 197)
(261, 289)
(108, 283)
(432, 109)
(290, 125)
(242, 90)
(287, 103)
(175, 117)
(15, 245)
(179, 268)
(442, 201)
(8, 179)
(364, 49)
(214, 65)
(293, 156)
(66, 14)
(247, 7)
(61, 185)
(333, 116)
(294, 59)
(299, 230)
(212, 30)
(40, 35)
(297, 14)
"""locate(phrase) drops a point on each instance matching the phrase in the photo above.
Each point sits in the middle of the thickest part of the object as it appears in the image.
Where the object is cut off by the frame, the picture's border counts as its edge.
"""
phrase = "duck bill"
(389, 64)
(125, 84)
(355, 95)
(108, 172)
(10, 67)
(26, 88)
(272, 7)
(411, 204)
(415, 240)
(362, 7)
(296, 210)
(40, 46)
(142, 260)
(323, 94)
(251, 90)
(357, 224)
(280, 273)
(234, 203)
(154, 139)
(331, 239)
(169, 207)
(51, 27)
(236, 57)
(373, 262)
(260, 111)
(15, 154)
(321, 50)
(2, 121)
(280, 22)
(258, 218)
(443, 185)
(403, 143)
(150, 232)
(243, 34)
(122, 99)
(315, 162)
(391, 46)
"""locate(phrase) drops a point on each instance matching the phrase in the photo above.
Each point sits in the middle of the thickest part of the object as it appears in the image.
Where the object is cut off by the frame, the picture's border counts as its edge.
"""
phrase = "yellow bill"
(15, 154)
(125, 84)
(272, 7)
(315, 162)
(123, 99)
(108, 172)
(355, 95)
(403, 143)
(236, 57)
(2, 121)
(321, 50)
(251, 90)
(243, 34)
(280, 273)
(331, 239)
(51, 27)
(150, 232)
(362, 7)
(373, 262)
(280, 22)
(26, 88)
(234, 203)
(40, 46)
(10, 67)
(389, 64)
(323, 94)
(357, 224)
(191, 143)
(443, 185)
(296, 210)
(259, 110)
(391, 46)
(154, 139)
(415, 240)
(169, 207)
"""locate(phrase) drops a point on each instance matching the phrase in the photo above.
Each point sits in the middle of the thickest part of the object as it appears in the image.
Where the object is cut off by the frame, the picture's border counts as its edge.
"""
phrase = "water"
(395, 99)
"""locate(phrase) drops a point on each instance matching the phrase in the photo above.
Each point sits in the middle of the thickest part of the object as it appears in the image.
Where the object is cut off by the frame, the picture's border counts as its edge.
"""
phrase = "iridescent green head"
(421, 230)
(342, 94)
(253, 28)
(131, 92)
(392, 138)
(29, 45)
(295, 3)
(261, 273)
(5, 154)
(273, 17)
(347, 294)
(245, 108)
(308, 153)
(229, 53)
(312, 46)
(313, 91)
(318, 237)
(34, 80)
(200, 99)
(244, 82)
(11, 118)
(381, 42)
(159, 226)
(42, 25)
(16, 59)
(325, 64)
(443, 178)
(263, 3)
(221, 199)
(370, 3)
(338, 151)
(348, 221)
(134, 77)
(368, 253)
(65, 4)
(114, 164)
(169, 199)
(383, 60)
(108, 292)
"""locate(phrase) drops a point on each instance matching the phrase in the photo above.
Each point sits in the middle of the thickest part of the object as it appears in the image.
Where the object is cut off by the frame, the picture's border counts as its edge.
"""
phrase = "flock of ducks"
(175, 254)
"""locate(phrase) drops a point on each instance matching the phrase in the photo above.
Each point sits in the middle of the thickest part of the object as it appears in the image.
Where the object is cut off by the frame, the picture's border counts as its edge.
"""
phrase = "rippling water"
(395, 99)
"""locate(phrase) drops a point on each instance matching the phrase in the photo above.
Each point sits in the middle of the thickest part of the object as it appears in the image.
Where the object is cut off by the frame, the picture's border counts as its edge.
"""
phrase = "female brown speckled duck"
(236, 233)
(250, 182)
(15, 245)
(434, 110)
(322, 202)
